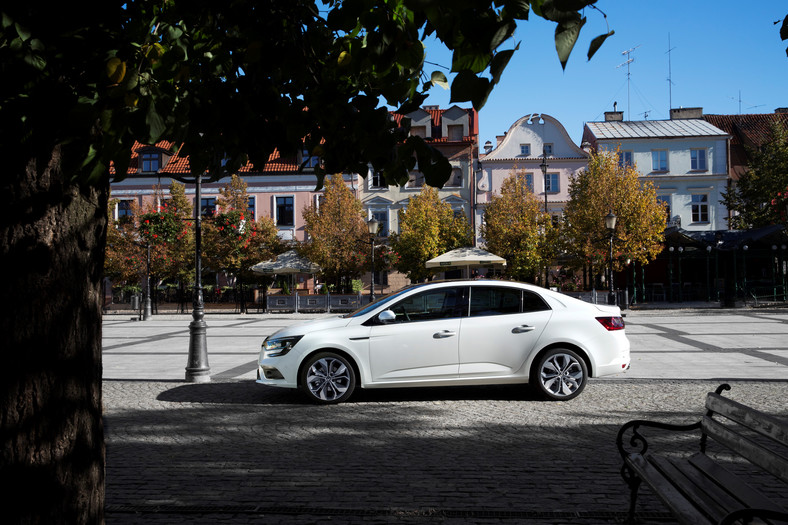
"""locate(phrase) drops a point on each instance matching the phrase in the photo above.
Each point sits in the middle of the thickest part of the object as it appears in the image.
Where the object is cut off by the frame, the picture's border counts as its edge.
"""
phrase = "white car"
(451, 333)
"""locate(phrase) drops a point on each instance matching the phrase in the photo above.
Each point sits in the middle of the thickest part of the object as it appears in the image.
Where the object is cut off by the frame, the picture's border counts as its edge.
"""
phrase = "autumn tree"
(337, 234)
(80, 86)
(758, 197)
(607, 185)
(234, 241)
(517, 228)
(428, 227)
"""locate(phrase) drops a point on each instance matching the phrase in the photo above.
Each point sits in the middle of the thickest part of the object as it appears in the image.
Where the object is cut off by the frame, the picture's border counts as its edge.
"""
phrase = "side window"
(494, 301)
(443, 303)
(533, 303)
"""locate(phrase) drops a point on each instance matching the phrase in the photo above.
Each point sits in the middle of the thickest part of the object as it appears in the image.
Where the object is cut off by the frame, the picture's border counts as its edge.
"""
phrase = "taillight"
(612, 323)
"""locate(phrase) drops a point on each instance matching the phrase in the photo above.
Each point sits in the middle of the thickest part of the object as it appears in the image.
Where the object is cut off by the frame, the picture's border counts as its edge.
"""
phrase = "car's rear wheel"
(560, 374)
(328, 378)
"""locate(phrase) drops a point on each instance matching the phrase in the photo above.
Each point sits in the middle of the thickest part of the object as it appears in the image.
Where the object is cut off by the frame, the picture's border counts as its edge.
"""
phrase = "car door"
(503, 325)
(422, 344)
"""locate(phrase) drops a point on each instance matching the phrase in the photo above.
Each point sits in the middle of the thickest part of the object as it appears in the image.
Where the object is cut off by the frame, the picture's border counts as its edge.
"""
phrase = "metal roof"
(642, 129)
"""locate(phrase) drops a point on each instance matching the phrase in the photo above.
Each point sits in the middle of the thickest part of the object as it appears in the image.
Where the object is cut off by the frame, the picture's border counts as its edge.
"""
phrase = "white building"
(531, 141)
(686, 158)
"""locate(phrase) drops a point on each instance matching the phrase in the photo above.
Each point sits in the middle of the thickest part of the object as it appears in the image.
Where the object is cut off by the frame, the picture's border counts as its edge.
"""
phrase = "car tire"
(560, 374)
(327, 378)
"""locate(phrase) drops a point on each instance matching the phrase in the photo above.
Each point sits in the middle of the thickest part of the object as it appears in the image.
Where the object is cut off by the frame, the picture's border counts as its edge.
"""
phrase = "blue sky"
(727, 57)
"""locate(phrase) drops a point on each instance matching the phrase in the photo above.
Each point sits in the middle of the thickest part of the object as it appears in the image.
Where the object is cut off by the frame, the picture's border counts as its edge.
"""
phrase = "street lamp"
(373, 225)
(610, 224)
(543, 165)
(197, 369)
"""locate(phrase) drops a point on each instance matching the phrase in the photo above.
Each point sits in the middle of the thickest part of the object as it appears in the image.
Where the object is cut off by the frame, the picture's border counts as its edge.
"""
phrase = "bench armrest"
(746, 515)
(637, 443)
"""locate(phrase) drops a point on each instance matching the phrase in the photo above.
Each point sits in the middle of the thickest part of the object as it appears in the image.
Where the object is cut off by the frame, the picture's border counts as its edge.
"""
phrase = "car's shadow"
(249, 392)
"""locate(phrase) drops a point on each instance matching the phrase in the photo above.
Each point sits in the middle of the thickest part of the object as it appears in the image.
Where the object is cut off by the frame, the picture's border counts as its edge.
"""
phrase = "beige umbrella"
(465, 258)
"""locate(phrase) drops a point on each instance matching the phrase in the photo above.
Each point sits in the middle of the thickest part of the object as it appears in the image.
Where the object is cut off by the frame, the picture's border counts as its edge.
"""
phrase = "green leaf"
(156, 125)
(499, 63)
(439, 79)
(565, 37)
(475, 62)
(468, 87)
(597, 43)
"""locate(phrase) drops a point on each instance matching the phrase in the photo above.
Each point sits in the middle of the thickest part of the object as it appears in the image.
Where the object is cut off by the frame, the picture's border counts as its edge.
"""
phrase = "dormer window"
(525, 150)
(455, 132)
(151, 162)
(309, 161)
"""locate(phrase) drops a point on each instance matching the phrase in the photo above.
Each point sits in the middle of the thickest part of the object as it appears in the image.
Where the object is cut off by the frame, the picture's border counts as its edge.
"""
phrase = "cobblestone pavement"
(233, 451)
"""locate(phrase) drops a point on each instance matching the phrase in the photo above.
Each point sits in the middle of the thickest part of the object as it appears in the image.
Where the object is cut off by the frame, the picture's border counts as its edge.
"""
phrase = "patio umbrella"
(286, 263)
(465, 258)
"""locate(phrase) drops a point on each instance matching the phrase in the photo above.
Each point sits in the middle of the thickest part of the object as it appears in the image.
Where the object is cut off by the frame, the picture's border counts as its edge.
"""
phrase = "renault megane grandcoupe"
(445, 333)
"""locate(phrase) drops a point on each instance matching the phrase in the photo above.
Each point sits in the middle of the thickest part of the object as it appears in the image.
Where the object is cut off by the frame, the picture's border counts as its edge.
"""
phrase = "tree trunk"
(53, 233)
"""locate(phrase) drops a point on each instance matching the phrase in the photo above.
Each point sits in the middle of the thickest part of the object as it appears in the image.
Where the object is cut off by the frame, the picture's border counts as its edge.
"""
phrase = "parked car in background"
(451, 333)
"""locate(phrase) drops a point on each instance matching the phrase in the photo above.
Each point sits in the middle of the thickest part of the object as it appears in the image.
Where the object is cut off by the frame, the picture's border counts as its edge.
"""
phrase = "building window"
(665, 201)
(525, 150)
(700, 208)
(309, 161)
(125, 208)
(376, 181)
(551, 183)
(455, 180)
(659, 160)
(698, 159)
(548, 150)
(251, 208)
(419, 131)
(151, 162)
(382, 216)
(455, 132)
(625, 159)
(284, 211)
(529, 181)
(208, 206)
(555, 220)
(415, 180)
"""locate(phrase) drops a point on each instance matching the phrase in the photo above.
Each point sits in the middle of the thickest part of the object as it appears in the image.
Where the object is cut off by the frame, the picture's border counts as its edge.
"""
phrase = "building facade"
(686, 158)
(532, 141)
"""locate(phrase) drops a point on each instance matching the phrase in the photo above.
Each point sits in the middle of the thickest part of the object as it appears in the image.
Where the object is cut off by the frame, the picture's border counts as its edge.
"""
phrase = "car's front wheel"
(328, 378)
(560, 374)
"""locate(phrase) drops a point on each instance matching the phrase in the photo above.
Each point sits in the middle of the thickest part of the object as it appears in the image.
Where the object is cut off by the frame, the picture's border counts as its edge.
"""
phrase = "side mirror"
(387, 316)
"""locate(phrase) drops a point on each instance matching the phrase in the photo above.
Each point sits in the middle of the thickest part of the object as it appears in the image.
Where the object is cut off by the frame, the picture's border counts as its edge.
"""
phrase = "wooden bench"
(699, 489)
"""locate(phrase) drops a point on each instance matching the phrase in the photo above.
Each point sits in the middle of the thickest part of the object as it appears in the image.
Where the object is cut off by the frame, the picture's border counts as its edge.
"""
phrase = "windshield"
(368, 308)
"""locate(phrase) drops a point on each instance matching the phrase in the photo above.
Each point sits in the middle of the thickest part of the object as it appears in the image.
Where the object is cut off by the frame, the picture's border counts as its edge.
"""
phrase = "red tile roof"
(747, 132)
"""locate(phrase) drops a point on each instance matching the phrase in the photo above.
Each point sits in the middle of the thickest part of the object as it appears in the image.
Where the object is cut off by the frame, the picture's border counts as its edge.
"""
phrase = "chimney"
(614, 116)
(685, 113)
(488, 147)
(499, 139)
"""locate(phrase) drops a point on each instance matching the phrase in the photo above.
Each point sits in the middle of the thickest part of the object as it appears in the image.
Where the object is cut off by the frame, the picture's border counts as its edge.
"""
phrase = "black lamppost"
(197, 369)
(146, 310)
(543, 165)
(610, 224)
(372, 224)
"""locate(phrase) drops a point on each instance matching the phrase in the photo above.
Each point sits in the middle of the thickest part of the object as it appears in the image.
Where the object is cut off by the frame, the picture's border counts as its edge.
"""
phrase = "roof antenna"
(670, 82)
(626, 63)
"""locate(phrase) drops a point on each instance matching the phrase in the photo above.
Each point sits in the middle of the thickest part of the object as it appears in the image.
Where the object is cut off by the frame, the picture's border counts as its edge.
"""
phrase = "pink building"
(532, 141)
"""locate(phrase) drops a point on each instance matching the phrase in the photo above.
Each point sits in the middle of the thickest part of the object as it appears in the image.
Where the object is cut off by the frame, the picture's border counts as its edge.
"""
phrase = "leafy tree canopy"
(607, 185)
(517, 228)
(428, 227)
(235, 80)
(758, 197)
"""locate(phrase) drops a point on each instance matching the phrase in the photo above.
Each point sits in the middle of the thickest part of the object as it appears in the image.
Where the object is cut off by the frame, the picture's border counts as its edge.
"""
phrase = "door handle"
(522, 329)
(443, 334)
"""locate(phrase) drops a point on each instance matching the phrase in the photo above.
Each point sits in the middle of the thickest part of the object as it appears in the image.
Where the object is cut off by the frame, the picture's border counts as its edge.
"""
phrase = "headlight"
(279, 345)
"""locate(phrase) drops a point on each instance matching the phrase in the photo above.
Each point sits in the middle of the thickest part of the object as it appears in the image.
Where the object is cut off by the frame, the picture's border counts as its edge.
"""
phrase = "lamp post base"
(197, 369)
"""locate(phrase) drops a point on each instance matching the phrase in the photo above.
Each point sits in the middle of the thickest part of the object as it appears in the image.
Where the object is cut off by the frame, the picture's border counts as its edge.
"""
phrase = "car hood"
(315, 325)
